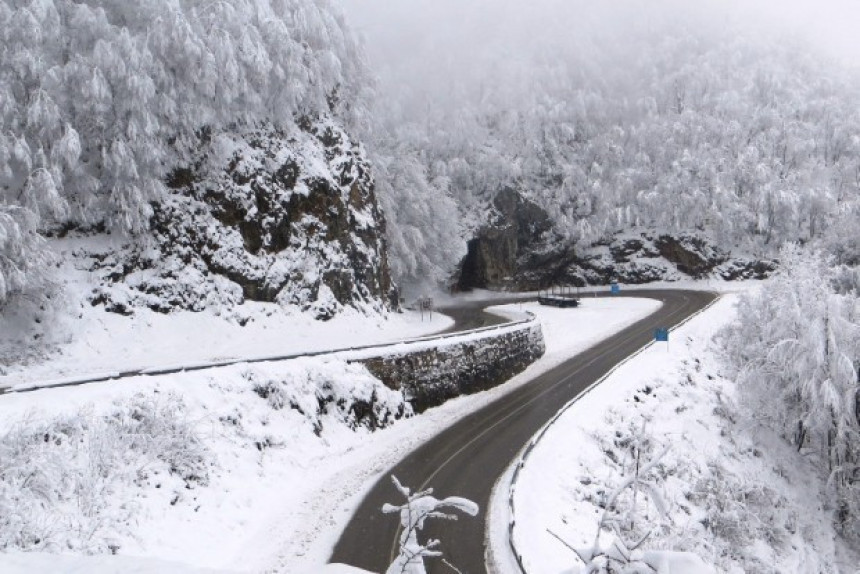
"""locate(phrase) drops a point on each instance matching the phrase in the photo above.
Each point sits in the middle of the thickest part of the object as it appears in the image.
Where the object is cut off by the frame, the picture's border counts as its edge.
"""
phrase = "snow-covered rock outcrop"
(262, 215)
(211, 141)
(520, 249)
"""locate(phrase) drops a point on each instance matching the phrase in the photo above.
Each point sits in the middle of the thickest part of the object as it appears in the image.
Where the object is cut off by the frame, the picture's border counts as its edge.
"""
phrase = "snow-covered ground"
(35, 562)
(273, 485)
(109, 342)
(93, 342)
(742, 505)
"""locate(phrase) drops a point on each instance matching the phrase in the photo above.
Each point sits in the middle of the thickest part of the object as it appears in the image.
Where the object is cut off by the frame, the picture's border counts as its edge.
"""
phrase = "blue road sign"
(615, 288)
(661, 334)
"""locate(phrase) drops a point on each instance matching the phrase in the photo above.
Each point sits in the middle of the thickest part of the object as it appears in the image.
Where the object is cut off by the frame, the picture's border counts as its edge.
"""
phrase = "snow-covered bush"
(346, 392)
(420, 506)
(64, 483)
(795, 351)
(636, 495)
(173, 451)
(635, 508)
(740, 513)
(633, 511)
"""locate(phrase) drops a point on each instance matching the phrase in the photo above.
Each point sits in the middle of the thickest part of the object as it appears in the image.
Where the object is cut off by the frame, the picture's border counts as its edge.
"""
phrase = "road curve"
(470, 315)
(467, 316)
(467, 458)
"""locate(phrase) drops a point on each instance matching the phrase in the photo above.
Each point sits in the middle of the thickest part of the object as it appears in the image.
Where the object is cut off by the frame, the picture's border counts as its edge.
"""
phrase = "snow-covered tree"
(796, 350)
(423, 224)
(100, 98)
(620, 517)
(22, 260)
(680, 125)
(629, 527)
(420, 506)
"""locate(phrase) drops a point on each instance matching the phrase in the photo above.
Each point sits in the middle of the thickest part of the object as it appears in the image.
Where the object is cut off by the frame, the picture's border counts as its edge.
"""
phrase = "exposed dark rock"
(180, 177)
(648, 257)
(491, 259)
(622, 250)
(543, 268)
(494, 258)
(520, 251)
(692, 255)
(270, 216)
(742, 268)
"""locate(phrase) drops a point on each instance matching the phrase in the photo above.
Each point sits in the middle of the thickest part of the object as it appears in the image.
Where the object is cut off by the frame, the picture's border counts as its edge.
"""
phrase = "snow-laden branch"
(414, 512)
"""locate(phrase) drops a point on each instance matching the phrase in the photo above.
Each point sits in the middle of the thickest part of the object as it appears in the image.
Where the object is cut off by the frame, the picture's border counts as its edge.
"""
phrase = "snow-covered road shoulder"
(35, 562)
(99, 343)
(285, 455)
(714, 491)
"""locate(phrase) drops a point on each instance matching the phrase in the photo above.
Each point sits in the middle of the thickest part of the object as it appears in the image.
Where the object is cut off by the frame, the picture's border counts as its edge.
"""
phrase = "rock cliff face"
(646, 256)
(263, 215)
(498, 255)
(518, 251)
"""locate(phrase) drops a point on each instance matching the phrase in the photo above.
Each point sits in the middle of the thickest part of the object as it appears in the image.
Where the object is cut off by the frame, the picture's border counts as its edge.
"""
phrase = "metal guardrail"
(527, 450)
(200, 366)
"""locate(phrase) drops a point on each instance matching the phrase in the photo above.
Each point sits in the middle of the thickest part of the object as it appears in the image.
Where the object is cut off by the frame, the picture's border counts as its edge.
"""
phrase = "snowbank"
(95, 342)
(338, 569)
(179, 467)
(741, 506)
(36, 563)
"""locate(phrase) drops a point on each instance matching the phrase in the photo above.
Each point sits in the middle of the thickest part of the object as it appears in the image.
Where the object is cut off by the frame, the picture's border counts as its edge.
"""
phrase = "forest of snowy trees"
(99, 99)
(675, 117)
(795, 352)
(240, 150)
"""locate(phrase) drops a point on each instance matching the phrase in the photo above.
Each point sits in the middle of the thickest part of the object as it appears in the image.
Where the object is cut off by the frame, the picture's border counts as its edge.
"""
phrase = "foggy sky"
(437, 47)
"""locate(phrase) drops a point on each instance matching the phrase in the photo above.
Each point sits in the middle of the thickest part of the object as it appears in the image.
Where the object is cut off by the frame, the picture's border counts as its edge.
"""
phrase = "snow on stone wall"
(430, 375)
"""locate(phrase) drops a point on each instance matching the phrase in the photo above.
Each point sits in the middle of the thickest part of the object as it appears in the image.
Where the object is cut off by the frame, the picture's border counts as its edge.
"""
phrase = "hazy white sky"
(443, 54)
(397, 29)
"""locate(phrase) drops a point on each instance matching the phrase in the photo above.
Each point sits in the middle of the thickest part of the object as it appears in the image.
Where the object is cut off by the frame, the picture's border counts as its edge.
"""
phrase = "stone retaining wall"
(431, 373)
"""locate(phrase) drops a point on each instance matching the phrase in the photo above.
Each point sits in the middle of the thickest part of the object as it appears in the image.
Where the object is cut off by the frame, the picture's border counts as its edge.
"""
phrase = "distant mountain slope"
(676, 117)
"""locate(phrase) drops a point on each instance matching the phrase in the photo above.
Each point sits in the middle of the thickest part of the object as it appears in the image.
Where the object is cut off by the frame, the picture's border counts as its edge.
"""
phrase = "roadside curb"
(526, 451)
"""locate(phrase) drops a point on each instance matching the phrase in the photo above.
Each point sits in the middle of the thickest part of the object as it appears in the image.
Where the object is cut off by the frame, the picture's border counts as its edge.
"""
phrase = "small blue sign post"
(661, 334)
(615, 288)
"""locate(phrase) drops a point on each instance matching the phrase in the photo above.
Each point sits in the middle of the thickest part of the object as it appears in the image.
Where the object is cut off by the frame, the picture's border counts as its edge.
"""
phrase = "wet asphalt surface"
(468, 458)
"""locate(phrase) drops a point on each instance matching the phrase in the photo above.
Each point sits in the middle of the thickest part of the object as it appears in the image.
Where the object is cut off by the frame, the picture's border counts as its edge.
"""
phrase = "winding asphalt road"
(468, 458)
